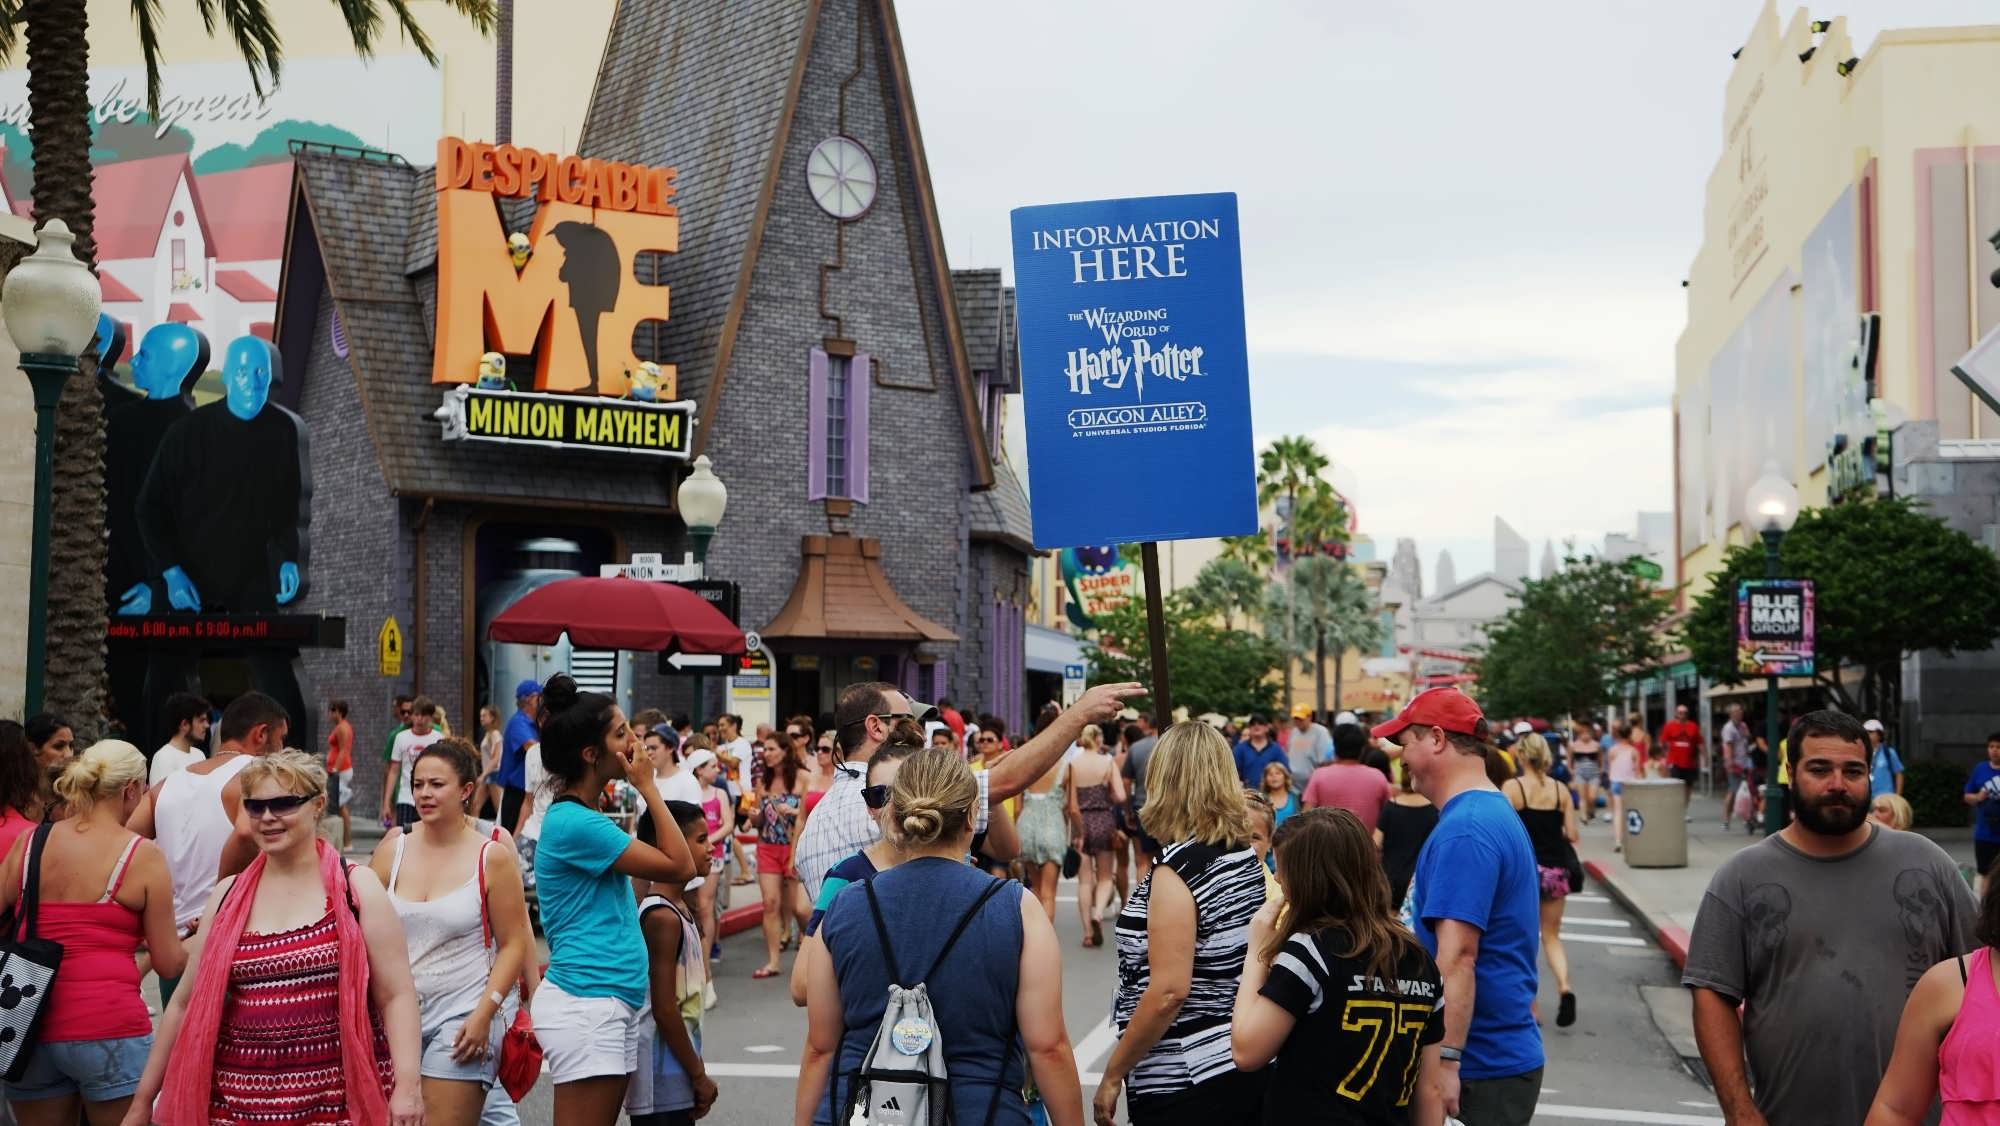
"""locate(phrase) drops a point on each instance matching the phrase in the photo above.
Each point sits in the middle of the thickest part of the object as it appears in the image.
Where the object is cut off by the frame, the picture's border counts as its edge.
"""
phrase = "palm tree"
(1227, 587)
(1253, 551)
(1330, 611)
(59, 123)
(1288, 466)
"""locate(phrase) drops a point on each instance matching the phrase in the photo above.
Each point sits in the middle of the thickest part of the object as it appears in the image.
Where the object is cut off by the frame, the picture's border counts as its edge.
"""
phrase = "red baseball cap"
(1439, 707)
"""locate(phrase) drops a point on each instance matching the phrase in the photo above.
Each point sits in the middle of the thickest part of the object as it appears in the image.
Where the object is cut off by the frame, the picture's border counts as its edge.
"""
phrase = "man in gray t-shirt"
(1820, 932)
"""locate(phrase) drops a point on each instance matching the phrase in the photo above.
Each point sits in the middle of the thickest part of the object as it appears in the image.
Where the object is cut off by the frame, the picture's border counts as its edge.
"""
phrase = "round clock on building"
(841, 175)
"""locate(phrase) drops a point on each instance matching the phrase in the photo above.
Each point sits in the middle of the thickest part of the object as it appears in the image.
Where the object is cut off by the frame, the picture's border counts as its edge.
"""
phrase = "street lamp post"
(1771, 507)
(50, 303)
(701, 499)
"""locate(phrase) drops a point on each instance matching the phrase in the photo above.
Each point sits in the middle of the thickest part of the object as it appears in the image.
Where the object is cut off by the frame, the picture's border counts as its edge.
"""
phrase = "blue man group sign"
(1133, 372)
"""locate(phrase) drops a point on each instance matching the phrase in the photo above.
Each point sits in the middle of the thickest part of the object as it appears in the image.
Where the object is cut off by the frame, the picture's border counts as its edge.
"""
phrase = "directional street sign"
(724, 596)
(1774, 627)
(690, 662)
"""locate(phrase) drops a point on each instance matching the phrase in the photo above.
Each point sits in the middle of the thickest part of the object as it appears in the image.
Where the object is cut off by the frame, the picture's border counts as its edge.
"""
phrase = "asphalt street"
(1613, 1066)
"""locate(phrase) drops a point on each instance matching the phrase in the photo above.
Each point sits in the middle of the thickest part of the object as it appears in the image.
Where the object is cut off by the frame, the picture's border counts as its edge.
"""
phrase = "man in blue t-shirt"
(1256, 751)
(1982, 793)
(520, 734)
(1475, 905)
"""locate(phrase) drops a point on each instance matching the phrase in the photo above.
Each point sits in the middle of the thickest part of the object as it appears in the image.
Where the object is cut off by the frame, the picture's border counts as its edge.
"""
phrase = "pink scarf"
(191, 1068)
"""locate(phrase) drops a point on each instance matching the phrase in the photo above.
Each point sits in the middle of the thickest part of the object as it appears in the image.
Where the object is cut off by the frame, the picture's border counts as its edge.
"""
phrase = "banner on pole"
(1134, 375)
(1774, 627)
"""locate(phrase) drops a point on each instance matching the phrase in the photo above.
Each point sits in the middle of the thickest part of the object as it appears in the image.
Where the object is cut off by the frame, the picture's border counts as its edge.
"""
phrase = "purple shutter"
(940, 679)
(816, 427)
(994, 643)
(860, 377)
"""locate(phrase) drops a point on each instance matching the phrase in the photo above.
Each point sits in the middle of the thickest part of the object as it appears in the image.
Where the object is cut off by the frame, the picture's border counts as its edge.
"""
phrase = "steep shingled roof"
(372, 221)
(710, 89)
(1001, 512)
(986, 315)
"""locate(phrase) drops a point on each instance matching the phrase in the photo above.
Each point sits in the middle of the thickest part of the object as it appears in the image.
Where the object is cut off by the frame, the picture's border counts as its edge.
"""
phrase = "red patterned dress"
(277, 1059)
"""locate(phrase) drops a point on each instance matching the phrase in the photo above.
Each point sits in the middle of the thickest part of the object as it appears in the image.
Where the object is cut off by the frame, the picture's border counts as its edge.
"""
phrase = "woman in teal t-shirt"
(586, 1012)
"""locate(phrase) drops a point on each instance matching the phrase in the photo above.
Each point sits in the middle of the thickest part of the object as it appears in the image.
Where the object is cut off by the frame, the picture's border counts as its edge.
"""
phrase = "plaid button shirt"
(842, 825)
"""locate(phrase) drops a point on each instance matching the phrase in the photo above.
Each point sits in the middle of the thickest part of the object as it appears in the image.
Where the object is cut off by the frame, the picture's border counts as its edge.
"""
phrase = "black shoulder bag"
(27, 968)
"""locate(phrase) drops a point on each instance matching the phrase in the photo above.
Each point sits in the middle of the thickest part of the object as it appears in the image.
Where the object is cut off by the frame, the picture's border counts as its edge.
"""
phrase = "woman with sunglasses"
(103, 892)
(587, 1009)
(860, 867)
(777, 820)
(457, 892)
(260, 1036)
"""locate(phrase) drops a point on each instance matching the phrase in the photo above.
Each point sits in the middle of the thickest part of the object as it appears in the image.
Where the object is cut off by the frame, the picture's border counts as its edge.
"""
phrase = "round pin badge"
(911, 1036)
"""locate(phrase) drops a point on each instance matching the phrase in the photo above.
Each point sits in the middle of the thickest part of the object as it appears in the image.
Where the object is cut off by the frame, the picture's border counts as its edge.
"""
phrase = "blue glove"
(138, 600)
(181, 594)
(288, 583)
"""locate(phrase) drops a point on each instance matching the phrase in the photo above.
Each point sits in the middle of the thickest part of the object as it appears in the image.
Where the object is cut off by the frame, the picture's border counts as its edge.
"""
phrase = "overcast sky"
(1465, 224)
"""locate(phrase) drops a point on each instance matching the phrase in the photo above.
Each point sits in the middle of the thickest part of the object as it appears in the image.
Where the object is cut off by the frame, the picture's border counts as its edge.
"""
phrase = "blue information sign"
(1134, 377)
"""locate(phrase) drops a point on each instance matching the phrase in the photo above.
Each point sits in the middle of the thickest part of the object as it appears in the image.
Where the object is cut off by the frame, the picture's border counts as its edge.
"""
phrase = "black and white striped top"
(1228, 888)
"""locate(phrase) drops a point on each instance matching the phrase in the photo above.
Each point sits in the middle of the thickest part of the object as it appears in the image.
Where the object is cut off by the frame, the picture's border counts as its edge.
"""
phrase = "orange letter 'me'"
(573, 307)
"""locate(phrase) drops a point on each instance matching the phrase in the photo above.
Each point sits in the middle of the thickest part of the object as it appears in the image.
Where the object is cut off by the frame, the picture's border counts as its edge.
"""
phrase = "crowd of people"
(1335, 923)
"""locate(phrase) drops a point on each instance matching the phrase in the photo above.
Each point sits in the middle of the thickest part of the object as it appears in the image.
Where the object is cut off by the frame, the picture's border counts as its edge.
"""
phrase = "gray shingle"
(698, 86)
(1001, 512)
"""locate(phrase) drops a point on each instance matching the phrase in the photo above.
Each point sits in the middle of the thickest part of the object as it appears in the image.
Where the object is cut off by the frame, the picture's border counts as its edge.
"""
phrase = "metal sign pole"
(1156, 637)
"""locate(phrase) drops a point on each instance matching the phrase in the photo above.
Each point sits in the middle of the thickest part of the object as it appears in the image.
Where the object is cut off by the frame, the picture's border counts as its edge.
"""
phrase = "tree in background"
(1227, 587)
(113, 141)
(273, 145)
(59, 120)
(1570, 638)
(1888, 579)
(1287, 469)
(1253, 551)
(1213, 669)
(1331, 611)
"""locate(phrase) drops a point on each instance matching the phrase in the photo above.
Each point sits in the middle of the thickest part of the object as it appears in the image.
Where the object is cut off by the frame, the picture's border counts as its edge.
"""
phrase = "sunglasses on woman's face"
(875, 796)
(282, 807)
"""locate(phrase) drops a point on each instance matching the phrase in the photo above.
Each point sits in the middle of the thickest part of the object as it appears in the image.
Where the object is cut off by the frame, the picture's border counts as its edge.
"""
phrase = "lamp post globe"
(701, 499)
(1770, 508)
(1772, 502)
(49, 303)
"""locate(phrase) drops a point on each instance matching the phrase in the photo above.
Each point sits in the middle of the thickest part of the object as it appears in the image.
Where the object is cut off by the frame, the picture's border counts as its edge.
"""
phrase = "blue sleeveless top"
(972, 993)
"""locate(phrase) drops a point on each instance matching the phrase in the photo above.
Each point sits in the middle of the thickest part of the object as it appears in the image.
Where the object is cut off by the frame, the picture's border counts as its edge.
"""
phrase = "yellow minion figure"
(519, 250)
(492, 372)
(643, 384)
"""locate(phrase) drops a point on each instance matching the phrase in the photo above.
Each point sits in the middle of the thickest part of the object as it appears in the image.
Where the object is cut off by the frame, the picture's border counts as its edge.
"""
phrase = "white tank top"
(449, 959)
(191, 827)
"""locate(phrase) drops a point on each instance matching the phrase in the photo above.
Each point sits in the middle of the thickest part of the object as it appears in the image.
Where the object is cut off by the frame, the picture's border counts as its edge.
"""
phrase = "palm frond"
(412, 32)
(146, 13)
(10, 28)
(249, 24)
(363, 21)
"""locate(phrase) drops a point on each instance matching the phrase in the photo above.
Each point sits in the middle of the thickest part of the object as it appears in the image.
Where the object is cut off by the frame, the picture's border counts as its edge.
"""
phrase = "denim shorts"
(99, 1070)
(437, 1062)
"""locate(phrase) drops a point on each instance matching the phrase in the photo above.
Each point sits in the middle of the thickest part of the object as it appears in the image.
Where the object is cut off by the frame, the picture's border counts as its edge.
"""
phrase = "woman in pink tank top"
(1948, 1044)
(103, 891)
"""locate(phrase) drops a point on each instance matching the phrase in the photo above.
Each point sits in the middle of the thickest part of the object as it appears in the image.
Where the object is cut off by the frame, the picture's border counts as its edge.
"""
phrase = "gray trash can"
(1655, 825)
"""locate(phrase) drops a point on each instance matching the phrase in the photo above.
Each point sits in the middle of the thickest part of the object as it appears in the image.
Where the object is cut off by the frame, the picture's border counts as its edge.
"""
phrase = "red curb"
(736, 920)
(1672, 938)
